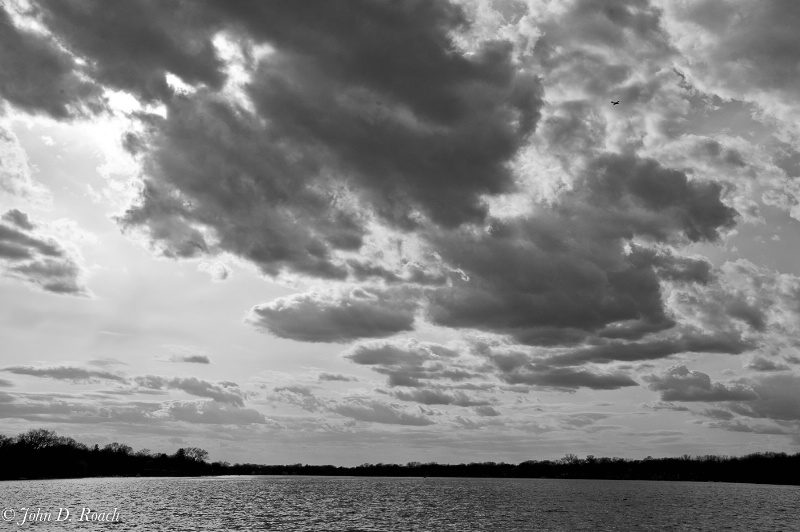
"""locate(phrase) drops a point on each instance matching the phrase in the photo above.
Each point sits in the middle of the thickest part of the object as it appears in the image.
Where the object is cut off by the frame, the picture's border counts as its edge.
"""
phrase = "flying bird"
(615, 103)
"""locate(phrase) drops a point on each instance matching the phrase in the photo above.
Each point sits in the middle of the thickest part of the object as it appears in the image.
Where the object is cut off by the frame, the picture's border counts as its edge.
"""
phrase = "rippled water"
(405, 504)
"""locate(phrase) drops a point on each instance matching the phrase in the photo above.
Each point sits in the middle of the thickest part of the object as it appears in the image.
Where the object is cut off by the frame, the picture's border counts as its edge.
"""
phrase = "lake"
(405, 504)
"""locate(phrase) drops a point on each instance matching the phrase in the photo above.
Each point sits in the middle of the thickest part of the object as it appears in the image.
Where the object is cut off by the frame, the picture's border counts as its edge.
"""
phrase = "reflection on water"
(406, 504)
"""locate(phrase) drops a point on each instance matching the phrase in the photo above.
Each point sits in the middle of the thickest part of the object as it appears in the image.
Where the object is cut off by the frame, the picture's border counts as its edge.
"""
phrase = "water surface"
(288, 503)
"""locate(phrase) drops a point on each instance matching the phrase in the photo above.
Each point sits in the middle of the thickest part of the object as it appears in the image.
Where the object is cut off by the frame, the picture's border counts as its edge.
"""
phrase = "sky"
(391, 231)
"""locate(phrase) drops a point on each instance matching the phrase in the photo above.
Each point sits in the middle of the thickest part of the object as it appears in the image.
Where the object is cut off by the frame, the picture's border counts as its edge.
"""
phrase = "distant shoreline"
(40, 454)
(348, 475)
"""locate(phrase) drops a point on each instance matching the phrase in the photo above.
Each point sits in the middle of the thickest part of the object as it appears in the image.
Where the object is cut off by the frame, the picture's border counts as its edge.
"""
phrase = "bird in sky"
(615, 103)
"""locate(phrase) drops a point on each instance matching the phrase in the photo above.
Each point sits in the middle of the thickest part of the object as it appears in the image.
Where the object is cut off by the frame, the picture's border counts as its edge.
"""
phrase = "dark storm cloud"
(436, 151)
(367, 113)
(678, 383)
(66, 373)
(382, 88)
(642, 188)
(35, 259)
(215, 167)
(131, 45)
(40, 77)
(369, 98)
(222, 392)
(330, 317)
(418, 124)
(564, 272)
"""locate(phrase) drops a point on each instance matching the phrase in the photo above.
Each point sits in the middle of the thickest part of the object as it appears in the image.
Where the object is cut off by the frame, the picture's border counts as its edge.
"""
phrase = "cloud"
(229, 188)
(742, 426)
(150, 40)
(571, 379)
(214, 413)
(6, 383)
(18, 218)
(49, 408)
(777, 398)
(763, 364)
(360, 409)
(332, 317)
(579, 420)
(36, 259)
(339, 137)
(40, 76)
(678, 383)
(564, 272)
(748, 49)
(333, 140)
(300, 396)
(438, 397)
(372, 411)
(329, 377)
(661, 405)
(218, 271)
(223, 392)
(66, 373)
(191, 359)
(753, 295)
(435, 143)
(185, 354)
(18, 244)
(486, 411)
(453, 169)
(409, 362)
(516, 367)
(15, 172)
(614, 351)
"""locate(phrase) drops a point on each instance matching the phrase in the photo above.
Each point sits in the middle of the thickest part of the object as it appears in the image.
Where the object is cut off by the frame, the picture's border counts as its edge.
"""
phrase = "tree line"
(41, 453)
